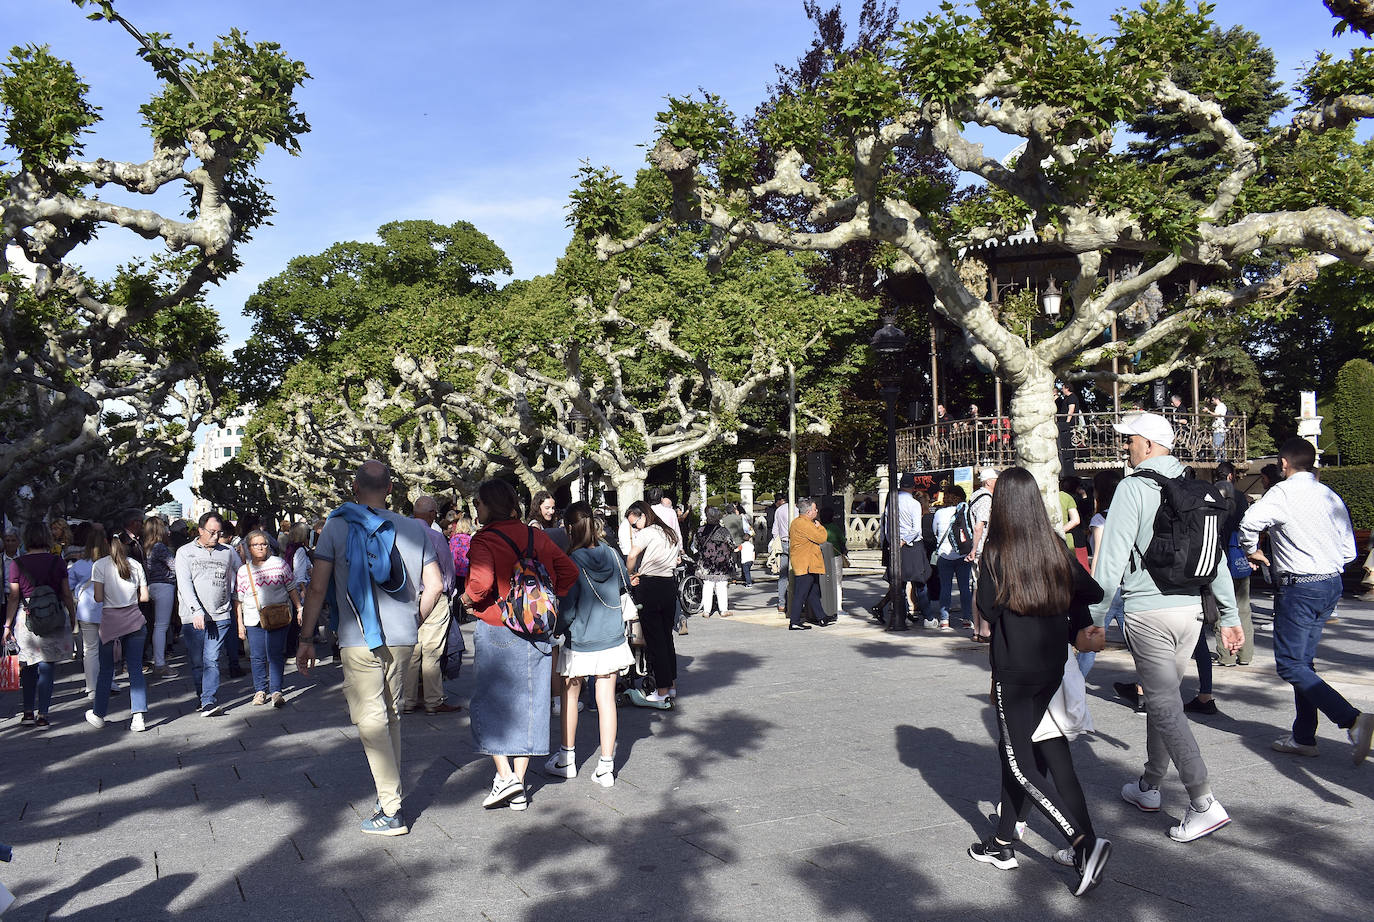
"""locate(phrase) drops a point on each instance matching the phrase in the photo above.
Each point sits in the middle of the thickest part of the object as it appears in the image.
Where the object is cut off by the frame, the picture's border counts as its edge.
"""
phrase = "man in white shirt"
(782, 521)
(1312, 540)
(1218, 412)
(425, 668)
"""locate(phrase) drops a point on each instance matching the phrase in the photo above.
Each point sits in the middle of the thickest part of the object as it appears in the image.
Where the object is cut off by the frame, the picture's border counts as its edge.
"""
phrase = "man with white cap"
(1161, 629)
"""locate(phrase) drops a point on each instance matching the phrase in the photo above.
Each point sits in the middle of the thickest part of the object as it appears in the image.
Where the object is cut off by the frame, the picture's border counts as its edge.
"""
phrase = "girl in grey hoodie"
(596, 645)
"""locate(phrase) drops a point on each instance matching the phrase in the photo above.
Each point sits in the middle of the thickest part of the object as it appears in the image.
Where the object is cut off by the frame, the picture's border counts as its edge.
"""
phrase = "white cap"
(1150, 426)
(987, 474)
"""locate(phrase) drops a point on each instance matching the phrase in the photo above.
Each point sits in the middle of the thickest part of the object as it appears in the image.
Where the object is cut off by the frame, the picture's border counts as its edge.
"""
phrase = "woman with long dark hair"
(1035, 597)
(653, 555)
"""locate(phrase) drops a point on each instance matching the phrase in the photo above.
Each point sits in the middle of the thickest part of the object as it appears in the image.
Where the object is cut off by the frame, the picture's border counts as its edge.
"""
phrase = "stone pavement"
(835, 774)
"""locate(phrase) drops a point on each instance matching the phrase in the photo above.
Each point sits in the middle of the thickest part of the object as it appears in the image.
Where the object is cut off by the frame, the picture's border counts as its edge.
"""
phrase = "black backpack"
(1187, 544)
(46, 616)
(960, 530)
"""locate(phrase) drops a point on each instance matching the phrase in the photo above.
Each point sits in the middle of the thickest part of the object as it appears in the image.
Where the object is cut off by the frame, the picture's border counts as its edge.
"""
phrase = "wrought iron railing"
(1090, 441)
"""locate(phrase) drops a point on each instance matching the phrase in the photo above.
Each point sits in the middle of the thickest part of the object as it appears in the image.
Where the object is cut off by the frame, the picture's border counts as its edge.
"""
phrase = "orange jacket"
(806, 538)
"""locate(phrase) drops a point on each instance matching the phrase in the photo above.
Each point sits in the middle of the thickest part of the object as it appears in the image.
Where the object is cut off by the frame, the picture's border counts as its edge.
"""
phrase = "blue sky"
(476, 111)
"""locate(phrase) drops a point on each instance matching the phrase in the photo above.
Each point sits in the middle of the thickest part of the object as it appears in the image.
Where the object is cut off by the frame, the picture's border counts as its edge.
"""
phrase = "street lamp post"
(888, 344)
(579, 422)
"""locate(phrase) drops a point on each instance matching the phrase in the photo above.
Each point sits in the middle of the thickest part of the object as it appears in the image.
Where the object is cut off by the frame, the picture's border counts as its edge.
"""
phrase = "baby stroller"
(637, 679)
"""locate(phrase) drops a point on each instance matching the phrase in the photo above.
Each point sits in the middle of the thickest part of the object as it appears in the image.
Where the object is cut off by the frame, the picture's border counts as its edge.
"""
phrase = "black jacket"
(1029, 650)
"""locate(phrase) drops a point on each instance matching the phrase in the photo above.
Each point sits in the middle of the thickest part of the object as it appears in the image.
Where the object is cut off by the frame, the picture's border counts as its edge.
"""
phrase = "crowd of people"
(393, 589)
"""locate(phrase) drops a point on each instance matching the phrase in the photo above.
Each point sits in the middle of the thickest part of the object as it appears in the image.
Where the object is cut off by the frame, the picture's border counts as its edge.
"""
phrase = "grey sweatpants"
(1162, 642)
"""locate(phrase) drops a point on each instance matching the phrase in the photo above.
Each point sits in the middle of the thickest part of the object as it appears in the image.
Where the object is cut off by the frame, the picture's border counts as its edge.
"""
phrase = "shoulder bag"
(272, 617)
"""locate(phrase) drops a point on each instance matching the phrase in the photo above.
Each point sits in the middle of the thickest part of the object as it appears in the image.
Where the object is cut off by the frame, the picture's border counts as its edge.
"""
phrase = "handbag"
(629, 611)
(271, 617)
(1236, 559)
(9, 669)
(1067, 714)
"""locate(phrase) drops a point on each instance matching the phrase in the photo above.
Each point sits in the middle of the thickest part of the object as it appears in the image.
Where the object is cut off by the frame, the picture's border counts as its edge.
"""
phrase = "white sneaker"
(94, 721)
(1134, 792)
(562, 764)
(520, 801)
(1361, 734)
(604, 774)
(136, 725)
(1093, 863)
(930, 624)
(1197, 824)
(656, 698)
(1293, 747)
(502, 790)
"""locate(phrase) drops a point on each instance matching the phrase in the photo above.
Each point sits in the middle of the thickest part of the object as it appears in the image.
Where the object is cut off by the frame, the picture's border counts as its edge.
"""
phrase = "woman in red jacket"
(510, 705)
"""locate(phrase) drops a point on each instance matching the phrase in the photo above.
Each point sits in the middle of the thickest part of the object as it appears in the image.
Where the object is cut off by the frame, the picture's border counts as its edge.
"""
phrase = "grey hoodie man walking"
(206, 571)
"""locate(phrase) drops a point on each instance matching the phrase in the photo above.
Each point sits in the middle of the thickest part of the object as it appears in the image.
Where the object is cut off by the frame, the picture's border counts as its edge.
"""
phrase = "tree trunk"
(1037, 435)
(629, 487)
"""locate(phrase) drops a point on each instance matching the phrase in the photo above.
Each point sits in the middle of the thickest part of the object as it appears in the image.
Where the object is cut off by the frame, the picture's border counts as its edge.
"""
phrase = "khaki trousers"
(425, 658)
(372, 685)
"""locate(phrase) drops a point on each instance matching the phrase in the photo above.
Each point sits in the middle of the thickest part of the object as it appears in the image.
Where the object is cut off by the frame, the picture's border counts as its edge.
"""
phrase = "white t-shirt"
(119, 593)
(668, 516)
(660, 553)
(940, 524)
(1219, 416)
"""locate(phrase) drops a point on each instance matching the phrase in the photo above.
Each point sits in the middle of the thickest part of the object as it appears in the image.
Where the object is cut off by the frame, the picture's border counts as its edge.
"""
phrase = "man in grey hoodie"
(206, 572)
(1161, 629)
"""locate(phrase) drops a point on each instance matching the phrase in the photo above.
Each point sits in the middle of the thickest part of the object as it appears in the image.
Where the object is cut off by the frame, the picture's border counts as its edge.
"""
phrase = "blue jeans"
(36, 681)
(1299, 616)
(138, 687)
(962, 571)
(202, 649)
(785, 568)
(268, 650)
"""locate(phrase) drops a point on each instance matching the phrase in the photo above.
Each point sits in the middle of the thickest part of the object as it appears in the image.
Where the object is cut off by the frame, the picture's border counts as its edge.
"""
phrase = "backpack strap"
(513, 546)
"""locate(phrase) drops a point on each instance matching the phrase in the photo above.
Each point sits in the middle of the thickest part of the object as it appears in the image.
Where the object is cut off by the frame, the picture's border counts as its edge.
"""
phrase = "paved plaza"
(836, 774)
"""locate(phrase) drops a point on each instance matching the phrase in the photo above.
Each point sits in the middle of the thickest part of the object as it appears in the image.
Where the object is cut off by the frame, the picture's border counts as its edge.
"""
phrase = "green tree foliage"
(104, 380)
(1025, 68)
(306, 310)
(1354, 412)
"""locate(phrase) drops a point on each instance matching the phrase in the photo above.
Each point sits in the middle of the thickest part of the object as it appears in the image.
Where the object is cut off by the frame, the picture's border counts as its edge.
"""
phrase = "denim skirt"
(510, 704)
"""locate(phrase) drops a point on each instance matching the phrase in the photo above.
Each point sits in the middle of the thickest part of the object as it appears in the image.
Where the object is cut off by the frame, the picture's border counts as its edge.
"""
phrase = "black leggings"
(659, 597)
(1024, 765)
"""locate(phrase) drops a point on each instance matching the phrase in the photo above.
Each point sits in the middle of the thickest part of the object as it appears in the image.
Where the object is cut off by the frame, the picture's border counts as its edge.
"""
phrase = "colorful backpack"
(530, 608)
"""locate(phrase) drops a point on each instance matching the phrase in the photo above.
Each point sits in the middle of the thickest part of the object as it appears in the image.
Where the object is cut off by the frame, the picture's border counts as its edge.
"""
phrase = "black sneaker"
(994, 853)
(1090, 865)
(1127, 693)
(1197, 706)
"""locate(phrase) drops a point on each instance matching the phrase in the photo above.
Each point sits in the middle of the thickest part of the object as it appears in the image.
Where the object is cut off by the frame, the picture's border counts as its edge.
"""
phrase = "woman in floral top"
(264, 580)
(459, 540)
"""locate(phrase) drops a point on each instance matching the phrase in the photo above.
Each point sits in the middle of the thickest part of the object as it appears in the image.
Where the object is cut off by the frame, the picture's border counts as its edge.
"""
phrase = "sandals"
(982, 638)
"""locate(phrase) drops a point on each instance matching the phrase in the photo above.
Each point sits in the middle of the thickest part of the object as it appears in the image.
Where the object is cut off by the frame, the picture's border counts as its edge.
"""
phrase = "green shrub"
(1354, 412)
(1355, 485)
